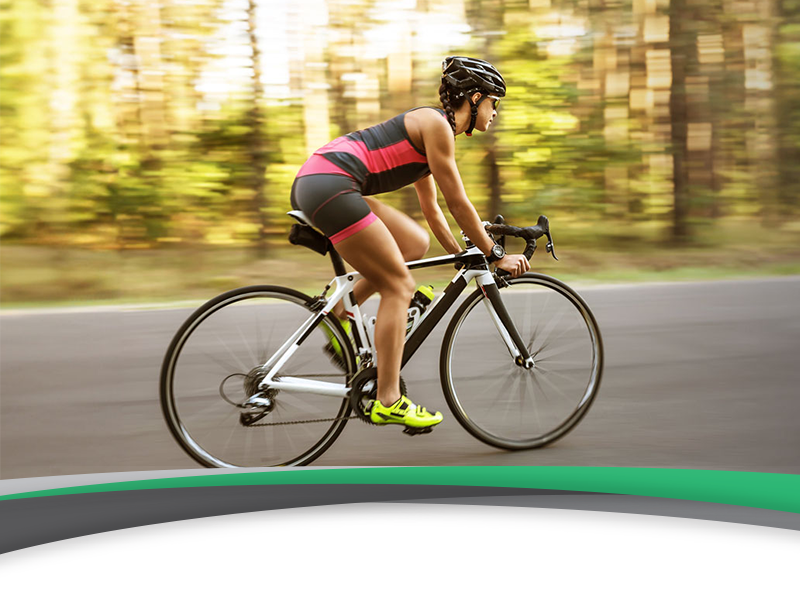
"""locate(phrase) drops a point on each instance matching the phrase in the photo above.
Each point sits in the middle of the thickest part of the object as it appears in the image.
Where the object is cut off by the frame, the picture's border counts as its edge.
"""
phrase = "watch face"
(498, 251)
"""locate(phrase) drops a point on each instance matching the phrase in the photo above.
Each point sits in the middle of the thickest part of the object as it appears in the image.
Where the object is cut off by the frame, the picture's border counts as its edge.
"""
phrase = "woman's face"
(486, 111)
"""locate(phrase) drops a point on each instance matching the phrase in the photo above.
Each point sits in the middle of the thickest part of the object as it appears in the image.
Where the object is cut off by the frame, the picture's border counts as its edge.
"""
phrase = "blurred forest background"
(149, 146)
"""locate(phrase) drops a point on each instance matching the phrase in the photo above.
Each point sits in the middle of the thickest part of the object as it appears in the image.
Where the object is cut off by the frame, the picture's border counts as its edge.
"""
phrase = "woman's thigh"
(374, 253)
(412, 239)
(332, 203)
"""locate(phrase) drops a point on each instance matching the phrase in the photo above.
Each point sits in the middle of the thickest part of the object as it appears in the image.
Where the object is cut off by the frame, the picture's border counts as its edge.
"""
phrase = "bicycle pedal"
(417, 430)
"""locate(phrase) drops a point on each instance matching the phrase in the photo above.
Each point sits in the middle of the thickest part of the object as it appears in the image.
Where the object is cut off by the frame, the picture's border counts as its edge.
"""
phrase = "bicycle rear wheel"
(503, 404)
(213, 367)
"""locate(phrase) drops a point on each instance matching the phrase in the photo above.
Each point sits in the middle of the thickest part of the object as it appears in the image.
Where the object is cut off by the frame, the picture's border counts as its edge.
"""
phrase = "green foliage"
(122, 144)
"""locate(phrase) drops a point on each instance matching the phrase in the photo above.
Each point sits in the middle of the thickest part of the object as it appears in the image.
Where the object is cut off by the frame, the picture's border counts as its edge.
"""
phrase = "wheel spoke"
(550, 329)
(539, 319)
(554, 387)
(483, 374)
(267, 351)
(233, 355)
(558, 374)
(550, 339)
(227, 368)
(536, 405)
(560, 351)
(250, 353)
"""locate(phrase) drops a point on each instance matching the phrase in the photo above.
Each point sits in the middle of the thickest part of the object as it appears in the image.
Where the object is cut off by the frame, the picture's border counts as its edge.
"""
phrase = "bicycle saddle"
(300, 217)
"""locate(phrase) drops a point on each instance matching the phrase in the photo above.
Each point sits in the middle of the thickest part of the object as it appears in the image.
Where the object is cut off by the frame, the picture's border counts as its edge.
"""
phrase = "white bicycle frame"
(343, 285)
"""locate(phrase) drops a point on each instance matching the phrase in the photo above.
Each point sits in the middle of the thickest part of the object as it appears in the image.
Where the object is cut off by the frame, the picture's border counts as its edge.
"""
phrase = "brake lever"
(551, 249)
(544, 223)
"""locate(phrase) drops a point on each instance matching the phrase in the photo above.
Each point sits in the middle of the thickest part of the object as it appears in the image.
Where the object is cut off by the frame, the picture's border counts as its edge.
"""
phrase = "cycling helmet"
(470, 75)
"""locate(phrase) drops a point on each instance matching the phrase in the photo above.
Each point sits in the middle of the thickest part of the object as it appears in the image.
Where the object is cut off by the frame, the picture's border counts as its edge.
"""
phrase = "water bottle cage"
(414, 313)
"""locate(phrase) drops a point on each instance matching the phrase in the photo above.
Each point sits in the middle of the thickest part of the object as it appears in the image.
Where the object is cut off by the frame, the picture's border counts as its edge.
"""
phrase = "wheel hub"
(525, 364)
(252, 381)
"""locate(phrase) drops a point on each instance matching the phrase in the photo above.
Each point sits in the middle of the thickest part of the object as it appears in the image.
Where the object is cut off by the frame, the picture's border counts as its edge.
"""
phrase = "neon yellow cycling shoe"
(404, 412)
(333, 348)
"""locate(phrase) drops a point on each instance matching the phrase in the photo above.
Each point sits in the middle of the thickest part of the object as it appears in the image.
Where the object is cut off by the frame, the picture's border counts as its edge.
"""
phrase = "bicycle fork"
(503, 321)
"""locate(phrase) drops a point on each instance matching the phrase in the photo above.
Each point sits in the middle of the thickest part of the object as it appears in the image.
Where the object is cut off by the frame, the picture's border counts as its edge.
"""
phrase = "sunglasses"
(495, 101)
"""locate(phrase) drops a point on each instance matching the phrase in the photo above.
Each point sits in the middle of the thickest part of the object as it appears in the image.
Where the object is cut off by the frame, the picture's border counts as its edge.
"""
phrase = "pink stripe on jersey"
(354, 228)
(318, 164)
(381, 159)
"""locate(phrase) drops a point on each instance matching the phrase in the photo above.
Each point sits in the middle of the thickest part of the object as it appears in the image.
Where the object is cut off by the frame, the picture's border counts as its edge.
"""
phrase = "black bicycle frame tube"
(451, 294)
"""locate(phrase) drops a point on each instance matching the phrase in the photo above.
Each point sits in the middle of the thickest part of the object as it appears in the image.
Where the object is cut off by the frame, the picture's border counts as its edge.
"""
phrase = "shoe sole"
(405, 425)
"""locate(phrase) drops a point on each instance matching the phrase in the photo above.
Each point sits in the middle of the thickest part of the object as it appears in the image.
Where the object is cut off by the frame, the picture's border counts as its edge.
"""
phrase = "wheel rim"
(505, 404)
(210, 372)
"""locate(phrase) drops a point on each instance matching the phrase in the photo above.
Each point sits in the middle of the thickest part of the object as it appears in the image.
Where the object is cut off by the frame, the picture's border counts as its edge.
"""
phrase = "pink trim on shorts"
(319, 165)
(354, 228)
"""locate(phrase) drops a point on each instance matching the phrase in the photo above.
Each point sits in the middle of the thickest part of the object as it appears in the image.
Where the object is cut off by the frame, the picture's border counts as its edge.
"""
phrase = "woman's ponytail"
(444, 98)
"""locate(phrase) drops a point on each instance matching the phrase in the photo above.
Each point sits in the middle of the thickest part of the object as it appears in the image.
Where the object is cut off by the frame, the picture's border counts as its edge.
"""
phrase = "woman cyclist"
(334, 186)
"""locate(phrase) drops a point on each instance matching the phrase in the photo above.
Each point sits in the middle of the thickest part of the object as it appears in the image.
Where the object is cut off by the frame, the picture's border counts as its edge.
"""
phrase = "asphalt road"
(700, 375)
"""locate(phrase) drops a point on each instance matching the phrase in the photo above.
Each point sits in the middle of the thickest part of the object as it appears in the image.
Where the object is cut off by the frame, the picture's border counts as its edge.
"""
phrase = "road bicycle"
(247, 380)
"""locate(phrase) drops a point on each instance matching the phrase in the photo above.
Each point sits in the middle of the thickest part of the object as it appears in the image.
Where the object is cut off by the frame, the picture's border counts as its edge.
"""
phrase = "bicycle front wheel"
(210, 376)
(506, 405)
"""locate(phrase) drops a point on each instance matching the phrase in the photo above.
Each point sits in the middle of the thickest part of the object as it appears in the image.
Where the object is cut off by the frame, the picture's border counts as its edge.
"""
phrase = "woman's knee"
(416, 245)
(399, 286)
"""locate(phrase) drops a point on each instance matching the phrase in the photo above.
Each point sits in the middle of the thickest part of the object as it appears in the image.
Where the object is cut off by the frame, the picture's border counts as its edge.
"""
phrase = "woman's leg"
(374, 253)
(412, 240)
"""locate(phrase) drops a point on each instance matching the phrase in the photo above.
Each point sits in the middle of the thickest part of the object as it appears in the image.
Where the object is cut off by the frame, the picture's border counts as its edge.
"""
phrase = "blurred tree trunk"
(128, 120)
(400, 75)
(680, 47)
(341, 63)
(486, 19)
(786, 36)
(704, 102)
(256, 143)
(495, 206)
(760, 105)
(63, 109)
(147, 39)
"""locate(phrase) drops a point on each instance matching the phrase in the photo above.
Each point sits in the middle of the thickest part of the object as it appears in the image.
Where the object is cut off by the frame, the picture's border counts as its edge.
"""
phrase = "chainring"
(363, 390)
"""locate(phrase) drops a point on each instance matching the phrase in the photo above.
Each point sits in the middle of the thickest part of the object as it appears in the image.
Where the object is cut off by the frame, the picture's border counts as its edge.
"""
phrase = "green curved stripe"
(773, 491)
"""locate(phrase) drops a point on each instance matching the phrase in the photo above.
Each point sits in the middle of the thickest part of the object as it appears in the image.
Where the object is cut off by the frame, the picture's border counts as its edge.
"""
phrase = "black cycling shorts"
(333, 204)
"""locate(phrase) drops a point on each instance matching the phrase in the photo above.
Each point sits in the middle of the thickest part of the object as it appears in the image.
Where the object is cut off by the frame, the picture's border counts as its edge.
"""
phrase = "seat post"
(336, 260)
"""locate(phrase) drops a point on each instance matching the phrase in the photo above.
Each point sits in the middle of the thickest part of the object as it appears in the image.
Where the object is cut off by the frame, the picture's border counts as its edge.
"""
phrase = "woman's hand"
(516, 264)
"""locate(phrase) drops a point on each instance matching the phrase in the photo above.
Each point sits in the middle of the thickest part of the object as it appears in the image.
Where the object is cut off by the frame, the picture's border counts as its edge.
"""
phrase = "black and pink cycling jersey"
(330, 186)
(380, 159)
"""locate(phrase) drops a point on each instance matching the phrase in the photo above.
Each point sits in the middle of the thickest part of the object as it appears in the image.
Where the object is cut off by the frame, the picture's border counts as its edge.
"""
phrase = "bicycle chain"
(303, 422)
(403, 390)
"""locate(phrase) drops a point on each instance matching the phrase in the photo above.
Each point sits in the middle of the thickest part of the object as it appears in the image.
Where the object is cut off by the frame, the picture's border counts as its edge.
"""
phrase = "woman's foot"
(403, 412)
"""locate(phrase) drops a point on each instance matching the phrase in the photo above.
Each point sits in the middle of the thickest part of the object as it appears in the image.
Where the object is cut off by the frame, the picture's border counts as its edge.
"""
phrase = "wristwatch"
(496, 253)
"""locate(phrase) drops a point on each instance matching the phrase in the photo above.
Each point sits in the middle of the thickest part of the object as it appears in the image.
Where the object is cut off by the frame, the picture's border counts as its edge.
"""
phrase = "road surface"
(698, 375)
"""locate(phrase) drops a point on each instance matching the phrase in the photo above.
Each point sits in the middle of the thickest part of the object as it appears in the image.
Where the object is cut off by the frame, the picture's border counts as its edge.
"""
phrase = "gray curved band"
(29, 522)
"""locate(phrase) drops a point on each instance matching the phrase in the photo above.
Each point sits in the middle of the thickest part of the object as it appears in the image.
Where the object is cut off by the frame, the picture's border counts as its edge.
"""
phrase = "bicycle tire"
(210, 330)
(476, 406)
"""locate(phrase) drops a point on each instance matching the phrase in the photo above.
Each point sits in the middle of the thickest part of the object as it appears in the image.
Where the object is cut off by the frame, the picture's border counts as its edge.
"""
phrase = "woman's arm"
(426, 191)
(440, 148)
